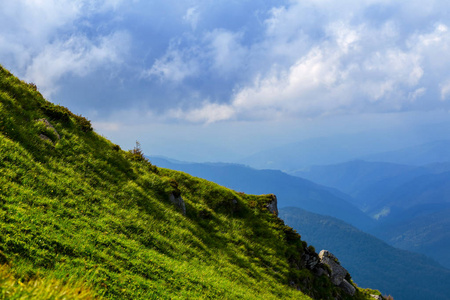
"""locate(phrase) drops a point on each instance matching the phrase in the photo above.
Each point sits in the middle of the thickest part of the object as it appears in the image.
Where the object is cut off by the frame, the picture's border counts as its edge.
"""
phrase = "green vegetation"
(80, 218)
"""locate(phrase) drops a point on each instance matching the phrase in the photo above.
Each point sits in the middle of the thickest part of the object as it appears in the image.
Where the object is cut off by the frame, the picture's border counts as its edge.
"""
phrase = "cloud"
(445, 90)
(207, 113)
(41, 39)
(77, 55)
(226, 52)
(175, 65)
(192, 17)
(345, 73)
(261, 60)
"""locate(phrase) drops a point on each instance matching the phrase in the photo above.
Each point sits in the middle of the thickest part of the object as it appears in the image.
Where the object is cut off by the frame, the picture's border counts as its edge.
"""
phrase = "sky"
(204, 80)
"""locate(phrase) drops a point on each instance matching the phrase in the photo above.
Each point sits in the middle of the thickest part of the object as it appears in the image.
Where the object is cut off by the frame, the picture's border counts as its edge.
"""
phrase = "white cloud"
(41, 42)
(296, 59)
(207, 113)
(418, 93)
(346, 72)
(445, 90)
(175, 66)
(77, 56)
(225, 50)
(192, 17)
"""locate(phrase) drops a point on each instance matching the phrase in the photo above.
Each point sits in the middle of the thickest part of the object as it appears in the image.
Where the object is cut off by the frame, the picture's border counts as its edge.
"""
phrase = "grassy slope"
(81, 214)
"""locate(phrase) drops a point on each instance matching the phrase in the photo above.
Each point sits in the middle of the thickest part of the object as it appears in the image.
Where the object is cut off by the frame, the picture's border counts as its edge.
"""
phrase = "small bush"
(137, 153)
(84, 124)
(33, 86)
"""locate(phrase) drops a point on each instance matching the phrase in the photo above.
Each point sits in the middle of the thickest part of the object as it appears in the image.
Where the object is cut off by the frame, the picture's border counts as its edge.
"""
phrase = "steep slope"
(290, 190)
(79, 213)
(403, 274)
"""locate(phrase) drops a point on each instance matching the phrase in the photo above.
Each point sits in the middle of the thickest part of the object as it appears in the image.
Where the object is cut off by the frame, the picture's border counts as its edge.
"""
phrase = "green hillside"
(81, 218)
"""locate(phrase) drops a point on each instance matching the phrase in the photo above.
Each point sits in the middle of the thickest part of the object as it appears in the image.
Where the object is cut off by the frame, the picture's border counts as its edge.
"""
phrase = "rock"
(319, 271)
(347, 287)
(178, 202)
(376, 297)
(272, 206)
(338, 273)
(311, 261)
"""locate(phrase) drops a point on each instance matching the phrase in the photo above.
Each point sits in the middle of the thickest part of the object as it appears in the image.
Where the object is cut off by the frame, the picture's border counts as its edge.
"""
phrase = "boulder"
(338, 273)
(347, 287)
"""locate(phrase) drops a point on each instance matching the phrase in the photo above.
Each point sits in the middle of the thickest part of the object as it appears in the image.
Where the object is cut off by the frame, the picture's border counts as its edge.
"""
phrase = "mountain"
(410, 203)
(82, 219)
(403, 274)
(424, 229)
(428, 153)
(290, 190)
(366, 182)
(351, 176)
(413, 211)
(326, 150)
(424, 189)
(374, 145)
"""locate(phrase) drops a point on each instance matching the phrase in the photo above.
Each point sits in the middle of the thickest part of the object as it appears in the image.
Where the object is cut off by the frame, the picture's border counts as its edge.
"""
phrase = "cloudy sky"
(219, 80)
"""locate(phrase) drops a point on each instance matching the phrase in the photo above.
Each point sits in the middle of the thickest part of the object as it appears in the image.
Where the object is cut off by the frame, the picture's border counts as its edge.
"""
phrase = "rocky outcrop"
(272, 206)
(178, 202)
(338, 274)
(311, 260)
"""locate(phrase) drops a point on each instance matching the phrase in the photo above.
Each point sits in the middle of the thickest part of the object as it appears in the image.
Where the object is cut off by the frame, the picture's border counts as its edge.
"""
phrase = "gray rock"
(376, 297)
(178, 202)
(347, 287)
(273, 206)
(338, 273)
(310, 261)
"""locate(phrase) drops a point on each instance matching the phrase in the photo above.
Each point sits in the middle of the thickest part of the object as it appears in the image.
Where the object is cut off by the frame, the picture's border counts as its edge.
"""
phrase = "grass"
(83, 218)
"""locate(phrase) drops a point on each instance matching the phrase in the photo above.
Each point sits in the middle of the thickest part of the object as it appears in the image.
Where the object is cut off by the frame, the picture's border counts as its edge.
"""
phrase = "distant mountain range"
(340, 149)
(412, 204)
(403, 274)
(290, 190)
(437, 151)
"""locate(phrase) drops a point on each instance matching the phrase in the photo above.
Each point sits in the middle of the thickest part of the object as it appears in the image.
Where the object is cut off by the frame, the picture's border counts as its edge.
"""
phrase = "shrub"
(33, 86)
(137, 153)
(83, 123)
